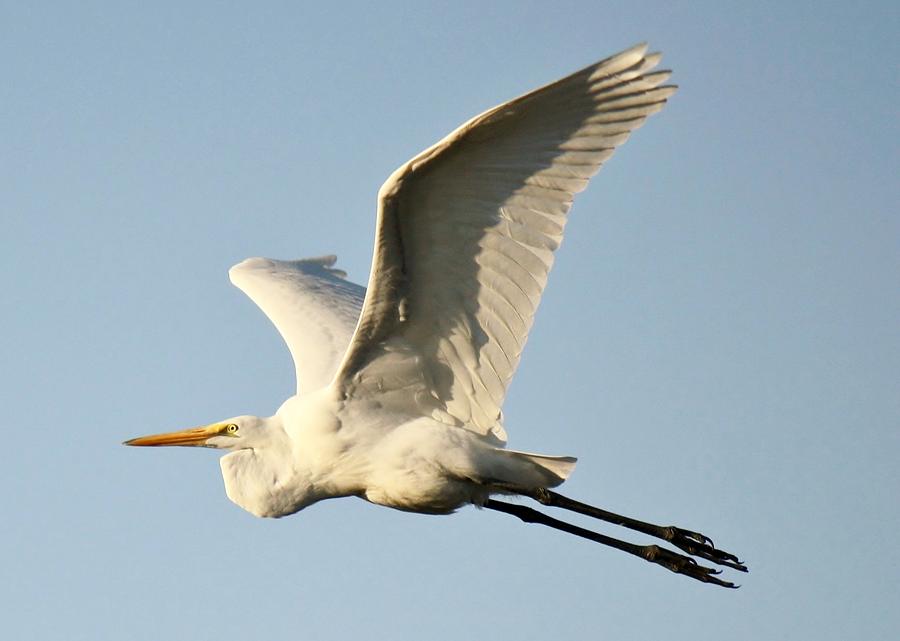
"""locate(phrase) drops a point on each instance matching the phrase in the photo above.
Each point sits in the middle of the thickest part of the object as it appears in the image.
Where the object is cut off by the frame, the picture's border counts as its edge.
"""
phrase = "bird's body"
(400, 384)
(318, 446)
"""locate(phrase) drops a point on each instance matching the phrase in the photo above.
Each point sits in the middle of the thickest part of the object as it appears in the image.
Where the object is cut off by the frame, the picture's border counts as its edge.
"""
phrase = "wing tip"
(639, 48)
(316, 265)
(634, 59)
(323, 263)
(635, 52)
(237, 272)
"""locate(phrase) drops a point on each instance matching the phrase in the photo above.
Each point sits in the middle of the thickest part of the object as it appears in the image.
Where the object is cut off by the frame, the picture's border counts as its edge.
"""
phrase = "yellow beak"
(196, 437)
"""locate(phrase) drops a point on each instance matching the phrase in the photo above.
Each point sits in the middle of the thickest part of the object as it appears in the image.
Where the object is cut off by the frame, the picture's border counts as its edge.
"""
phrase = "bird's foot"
(680, 564)
(702, 546)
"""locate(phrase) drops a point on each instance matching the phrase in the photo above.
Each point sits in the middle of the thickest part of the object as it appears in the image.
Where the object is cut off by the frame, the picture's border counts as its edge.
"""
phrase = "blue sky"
(718, 344)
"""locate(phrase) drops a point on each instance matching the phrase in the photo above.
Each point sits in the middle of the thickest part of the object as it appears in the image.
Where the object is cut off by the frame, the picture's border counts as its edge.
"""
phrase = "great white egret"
(400, 385)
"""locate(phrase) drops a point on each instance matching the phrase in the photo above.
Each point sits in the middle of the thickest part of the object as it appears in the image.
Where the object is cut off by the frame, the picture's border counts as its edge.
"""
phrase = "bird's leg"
(691, 542)
(673, 561)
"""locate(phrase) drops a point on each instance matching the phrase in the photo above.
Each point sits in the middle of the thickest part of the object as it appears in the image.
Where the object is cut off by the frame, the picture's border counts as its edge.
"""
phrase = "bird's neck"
(303, 458)
(324, 453)
(267, 479)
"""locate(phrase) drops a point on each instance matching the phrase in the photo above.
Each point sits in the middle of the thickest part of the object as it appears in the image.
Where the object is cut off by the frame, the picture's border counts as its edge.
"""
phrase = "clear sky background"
(719, 342)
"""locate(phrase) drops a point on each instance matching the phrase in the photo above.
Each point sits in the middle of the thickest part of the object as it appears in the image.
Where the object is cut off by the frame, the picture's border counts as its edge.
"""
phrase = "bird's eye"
(232, 428)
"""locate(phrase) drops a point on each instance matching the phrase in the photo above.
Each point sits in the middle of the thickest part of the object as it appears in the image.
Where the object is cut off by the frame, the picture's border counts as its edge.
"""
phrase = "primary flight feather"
(400, 385)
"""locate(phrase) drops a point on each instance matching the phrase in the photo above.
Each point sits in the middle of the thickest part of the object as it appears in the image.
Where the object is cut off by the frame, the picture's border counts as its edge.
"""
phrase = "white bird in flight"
(400, 385)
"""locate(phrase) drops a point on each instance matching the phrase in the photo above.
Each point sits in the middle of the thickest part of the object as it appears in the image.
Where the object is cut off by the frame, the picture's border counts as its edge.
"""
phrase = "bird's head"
(240, 432)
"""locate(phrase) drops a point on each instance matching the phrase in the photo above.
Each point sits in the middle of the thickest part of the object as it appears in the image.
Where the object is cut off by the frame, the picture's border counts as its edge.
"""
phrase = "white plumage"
(400, 385)
(314, 308)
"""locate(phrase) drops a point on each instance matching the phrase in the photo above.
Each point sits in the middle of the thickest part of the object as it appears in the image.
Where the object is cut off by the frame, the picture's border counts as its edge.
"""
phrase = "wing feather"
(465, 238)
(311, 304)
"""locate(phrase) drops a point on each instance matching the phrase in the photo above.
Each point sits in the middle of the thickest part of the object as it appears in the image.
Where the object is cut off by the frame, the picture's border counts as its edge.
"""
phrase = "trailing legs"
(693, 543)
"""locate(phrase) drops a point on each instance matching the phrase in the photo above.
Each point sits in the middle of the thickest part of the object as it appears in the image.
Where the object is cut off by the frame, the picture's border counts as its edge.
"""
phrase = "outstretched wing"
(314, 309)
(465, 238)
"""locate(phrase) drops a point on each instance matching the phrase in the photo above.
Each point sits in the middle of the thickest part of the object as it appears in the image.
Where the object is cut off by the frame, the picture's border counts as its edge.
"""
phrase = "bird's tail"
(531, 471)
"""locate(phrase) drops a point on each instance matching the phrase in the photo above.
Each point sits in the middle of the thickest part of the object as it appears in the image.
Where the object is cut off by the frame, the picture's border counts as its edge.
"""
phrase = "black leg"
(673, 561)
(691, 542)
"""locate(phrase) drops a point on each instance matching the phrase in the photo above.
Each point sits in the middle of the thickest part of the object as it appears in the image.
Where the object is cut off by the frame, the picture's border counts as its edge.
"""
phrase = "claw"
(701, 545)
(700, 538)
(680, 564)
